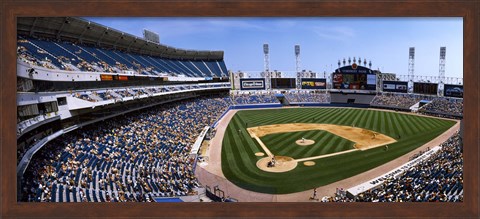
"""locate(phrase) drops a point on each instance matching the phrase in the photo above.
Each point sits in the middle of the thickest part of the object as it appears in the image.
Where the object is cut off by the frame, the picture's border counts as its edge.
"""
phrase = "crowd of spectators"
(307, 97)
(118, 94)
(84, 96)
(418, 154)
(121, 66)
(51, 53)
(101, 95)
(24, 55)
(28, 141)
(448, 106)
(439, 178)
(398, 100)
(85, 66)
(66, 63)
(134, 157)
(254, 98)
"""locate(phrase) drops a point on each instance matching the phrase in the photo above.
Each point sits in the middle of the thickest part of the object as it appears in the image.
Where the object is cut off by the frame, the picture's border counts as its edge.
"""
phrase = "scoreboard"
(425, 88)
(283, 83)
(252, 83)
(452, 90)
(354, 77)
(358, 81)
(314, 83)
(395, 86)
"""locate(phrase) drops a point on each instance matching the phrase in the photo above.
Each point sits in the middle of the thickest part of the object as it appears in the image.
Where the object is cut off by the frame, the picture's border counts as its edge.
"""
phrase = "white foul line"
(302, 159)
(263, 146)
(325, 155)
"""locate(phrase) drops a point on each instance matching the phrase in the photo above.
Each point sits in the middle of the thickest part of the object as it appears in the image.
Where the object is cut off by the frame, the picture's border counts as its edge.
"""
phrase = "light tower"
(411, 68)
(441, 71)
(266, 61)
(297, 65)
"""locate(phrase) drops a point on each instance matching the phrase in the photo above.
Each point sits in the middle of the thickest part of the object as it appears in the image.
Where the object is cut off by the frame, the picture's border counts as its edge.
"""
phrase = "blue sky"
(323, 41)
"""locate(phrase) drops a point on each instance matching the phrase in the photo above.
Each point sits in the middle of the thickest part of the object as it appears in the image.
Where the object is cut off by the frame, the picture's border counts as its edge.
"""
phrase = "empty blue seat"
(53, 193)
(60, 193)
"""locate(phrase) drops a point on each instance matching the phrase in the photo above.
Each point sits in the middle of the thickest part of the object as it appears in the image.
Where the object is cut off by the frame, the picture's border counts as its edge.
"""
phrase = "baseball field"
(313, 147)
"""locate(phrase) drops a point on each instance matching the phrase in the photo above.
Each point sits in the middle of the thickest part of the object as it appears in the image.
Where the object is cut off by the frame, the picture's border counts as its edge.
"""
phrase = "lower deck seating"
(131, 158)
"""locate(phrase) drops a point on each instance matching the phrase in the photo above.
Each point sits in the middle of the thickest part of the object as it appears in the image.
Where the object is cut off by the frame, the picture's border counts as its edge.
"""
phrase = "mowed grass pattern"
(284, 144)
(238, 150)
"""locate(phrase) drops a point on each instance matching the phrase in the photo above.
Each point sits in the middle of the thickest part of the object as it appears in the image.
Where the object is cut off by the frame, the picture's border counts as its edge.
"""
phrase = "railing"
(390, 107)
(445, 114)
(22, 166)
(29, 123)
(218, 195)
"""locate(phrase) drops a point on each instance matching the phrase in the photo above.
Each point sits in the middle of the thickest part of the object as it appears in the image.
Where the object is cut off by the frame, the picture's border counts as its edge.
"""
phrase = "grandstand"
(436, 179)
(135, 157)
(104, 116)
(307, 97)
(58, 55)
(71, 79)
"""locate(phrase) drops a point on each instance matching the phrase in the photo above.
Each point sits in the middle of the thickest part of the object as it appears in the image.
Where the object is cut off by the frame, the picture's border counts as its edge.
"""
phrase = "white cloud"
(334, 33)
(191, 27)
(226, 23)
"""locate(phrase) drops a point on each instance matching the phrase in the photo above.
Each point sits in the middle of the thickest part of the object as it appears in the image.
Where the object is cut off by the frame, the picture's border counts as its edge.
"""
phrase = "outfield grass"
(238, 150)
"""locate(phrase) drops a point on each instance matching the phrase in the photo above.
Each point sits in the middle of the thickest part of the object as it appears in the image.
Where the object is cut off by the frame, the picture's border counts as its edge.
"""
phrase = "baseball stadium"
(107, 116)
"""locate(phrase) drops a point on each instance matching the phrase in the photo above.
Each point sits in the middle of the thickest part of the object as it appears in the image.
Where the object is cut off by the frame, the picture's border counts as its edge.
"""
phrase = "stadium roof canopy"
(83, 31)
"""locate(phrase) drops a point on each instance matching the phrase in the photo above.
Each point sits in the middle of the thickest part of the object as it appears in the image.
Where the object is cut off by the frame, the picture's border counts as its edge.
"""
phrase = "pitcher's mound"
(283, 164)
(259, 154)
(305, 142)
(308, 163)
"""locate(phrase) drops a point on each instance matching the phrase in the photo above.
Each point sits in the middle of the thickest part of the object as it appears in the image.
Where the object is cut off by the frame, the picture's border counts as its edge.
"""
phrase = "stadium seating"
(254, 98)
(444, 106)
(307, 97)
(437, 106)
(437, 179)
(398, 100)
(73, 57)
(132, 158)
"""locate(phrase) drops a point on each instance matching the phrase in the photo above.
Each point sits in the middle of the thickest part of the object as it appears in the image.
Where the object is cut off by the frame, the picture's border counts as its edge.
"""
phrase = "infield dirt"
(363, 138)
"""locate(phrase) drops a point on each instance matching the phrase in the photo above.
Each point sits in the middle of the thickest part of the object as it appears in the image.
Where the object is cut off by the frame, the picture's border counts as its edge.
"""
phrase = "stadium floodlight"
(266, 62)
(151, 36)
(297, 65)
(441, 70)
(297, 50)
(411, 68)
(443, 51)
(411, 53)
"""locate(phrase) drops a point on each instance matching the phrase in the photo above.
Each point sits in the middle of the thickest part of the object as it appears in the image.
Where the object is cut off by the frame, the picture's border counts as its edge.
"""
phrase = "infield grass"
(238, 149)
(283, 144)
